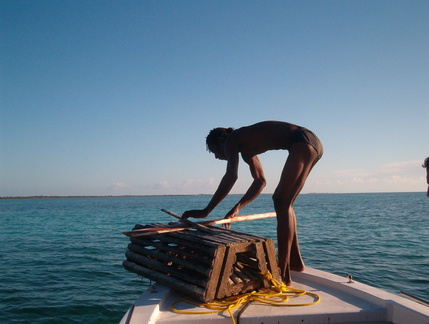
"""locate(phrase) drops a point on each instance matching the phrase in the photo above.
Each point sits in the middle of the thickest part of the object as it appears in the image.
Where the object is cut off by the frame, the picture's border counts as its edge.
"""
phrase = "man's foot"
(287, 282)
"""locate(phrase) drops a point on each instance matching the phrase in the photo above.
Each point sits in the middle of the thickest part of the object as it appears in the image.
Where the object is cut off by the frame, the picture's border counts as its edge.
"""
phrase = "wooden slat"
(248, 261)
(180, 226)
(186, 262)
(203, 258)
(270, 255)
(189, 222)
(252, 275)
(185, 239)
(166, 280)
(216, 272)
(163, 268)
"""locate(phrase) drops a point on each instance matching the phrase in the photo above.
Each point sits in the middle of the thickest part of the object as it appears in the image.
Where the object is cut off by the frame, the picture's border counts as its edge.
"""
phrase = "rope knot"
(277, 295)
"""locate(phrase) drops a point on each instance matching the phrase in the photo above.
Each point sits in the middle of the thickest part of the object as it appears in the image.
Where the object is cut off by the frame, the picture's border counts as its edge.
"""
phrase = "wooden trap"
(203, 265)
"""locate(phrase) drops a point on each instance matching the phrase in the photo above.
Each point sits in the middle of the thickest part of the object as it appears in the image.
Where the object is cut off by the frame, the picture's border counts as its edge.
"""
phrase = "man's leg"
(296, 170)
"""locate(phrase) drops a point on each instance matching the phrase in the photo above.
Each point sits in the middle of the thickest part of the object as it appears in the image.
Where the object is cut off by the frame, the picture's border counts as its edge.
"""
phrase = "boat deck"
(341, 302)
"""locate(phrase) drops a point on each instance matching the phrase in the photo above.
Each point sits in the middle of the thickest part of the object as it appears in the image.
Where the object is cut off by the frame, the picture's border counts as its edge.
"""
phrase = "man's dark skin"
(249, 142)
(426, 166)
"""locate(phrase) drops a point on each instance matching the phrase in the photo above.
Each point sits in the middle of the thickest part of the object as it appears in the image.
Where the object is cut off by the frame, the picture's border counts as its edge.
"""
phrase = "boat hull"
(341, 302)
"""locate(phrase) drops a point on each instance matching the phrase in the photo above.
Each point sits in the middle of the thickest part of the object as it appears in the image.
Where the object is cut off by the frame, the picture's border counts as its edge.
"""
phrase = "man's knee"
(280, 202)
(276, 198)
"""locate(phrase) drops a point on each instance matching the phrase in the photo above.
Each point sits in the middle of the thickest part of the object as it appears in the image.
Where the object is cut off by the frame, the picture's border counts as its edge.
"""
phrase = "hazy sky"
(117, 97)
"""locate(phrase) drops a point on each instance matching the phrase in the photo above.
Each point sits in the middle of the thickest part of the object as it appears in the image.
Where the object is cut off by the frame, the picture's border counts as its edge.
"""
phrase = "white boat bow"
(341, 302)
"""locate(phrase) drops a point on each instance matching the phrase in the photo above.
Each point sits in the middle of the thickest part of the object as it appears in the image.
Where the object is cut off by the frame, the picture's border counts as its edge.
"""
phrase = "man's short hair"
(217, 135)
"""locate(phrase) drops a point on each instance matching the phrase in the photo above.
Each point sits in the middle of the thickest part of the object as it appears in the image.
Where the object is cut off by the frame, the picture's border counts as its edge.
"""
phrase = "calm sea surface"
(61, 259)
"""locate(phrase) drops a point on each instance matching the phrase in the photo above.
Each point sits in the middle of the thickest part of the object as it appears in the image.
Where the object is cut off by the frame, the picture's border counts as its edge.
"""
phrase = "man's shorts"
(305, 135)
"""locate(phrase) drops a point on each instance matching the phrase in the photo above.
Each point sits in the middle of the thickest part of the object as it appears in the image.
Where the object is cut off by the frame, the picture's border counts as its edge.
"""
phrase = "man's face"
(219, 151)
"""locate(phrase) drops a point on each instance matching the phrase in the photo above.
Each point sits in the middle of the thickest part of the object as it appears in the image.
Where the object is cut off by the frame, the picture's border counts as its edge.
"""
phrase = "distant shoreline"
(188, 195)
(107, 196)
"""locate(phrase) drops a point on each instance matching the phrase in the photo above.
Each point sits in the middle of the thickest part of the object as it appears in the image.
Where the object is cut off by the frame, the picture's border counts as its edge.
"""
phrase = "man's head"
(426, 165)
(216, 139)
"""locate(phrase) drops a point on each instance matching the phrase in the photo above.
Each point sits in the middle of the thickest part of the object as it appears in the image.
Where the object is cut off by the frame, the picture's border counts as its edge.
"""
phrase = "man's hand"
(231, 214)
(196, 213)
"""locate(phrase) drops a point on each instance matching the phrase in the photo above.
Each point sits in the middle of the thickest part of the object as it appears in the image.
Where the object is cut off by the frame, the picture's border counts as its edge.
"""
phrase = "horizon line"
(178, 195)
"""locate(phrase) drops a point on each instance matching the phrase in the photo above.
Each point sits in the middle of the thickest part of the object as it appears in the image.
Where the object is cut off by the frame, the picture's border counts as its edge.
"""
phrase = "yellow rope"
(277, 295)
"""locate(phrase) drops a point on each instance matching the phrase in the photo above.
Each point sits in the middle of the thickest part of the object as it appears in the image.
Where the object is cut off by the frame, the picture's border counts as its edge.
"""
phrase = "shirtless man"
(426, 165)
(305, 149)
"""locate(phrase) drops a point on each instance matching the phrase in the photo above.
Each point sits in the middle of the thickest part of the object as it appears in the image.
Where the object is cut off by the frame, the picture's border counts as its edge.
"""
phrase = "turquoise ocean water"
(61, 259)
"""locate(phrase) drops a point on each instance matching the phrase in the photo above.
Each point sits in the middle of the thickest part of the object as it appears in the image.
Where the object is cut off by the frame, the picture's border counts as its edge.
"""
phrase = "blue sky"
(116, 97)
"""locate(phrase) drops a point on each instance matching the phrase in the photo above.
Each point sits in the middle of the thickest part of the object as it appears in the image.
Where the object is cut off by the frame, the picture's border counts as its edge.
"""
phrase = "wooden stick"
(188, 222)
(181, 226)
(170, 213)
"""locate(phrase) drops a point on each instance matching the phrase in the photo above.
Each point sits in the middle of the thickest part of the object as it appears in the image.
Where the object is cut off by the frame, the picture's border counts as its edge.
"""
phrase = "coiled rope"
(277, 295)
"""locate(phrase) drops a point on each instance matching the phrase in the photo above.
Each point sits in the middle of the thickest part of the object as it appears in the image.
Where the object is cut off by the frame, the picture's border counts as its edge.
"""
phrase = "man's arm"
(222, 191)
(255, 188)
